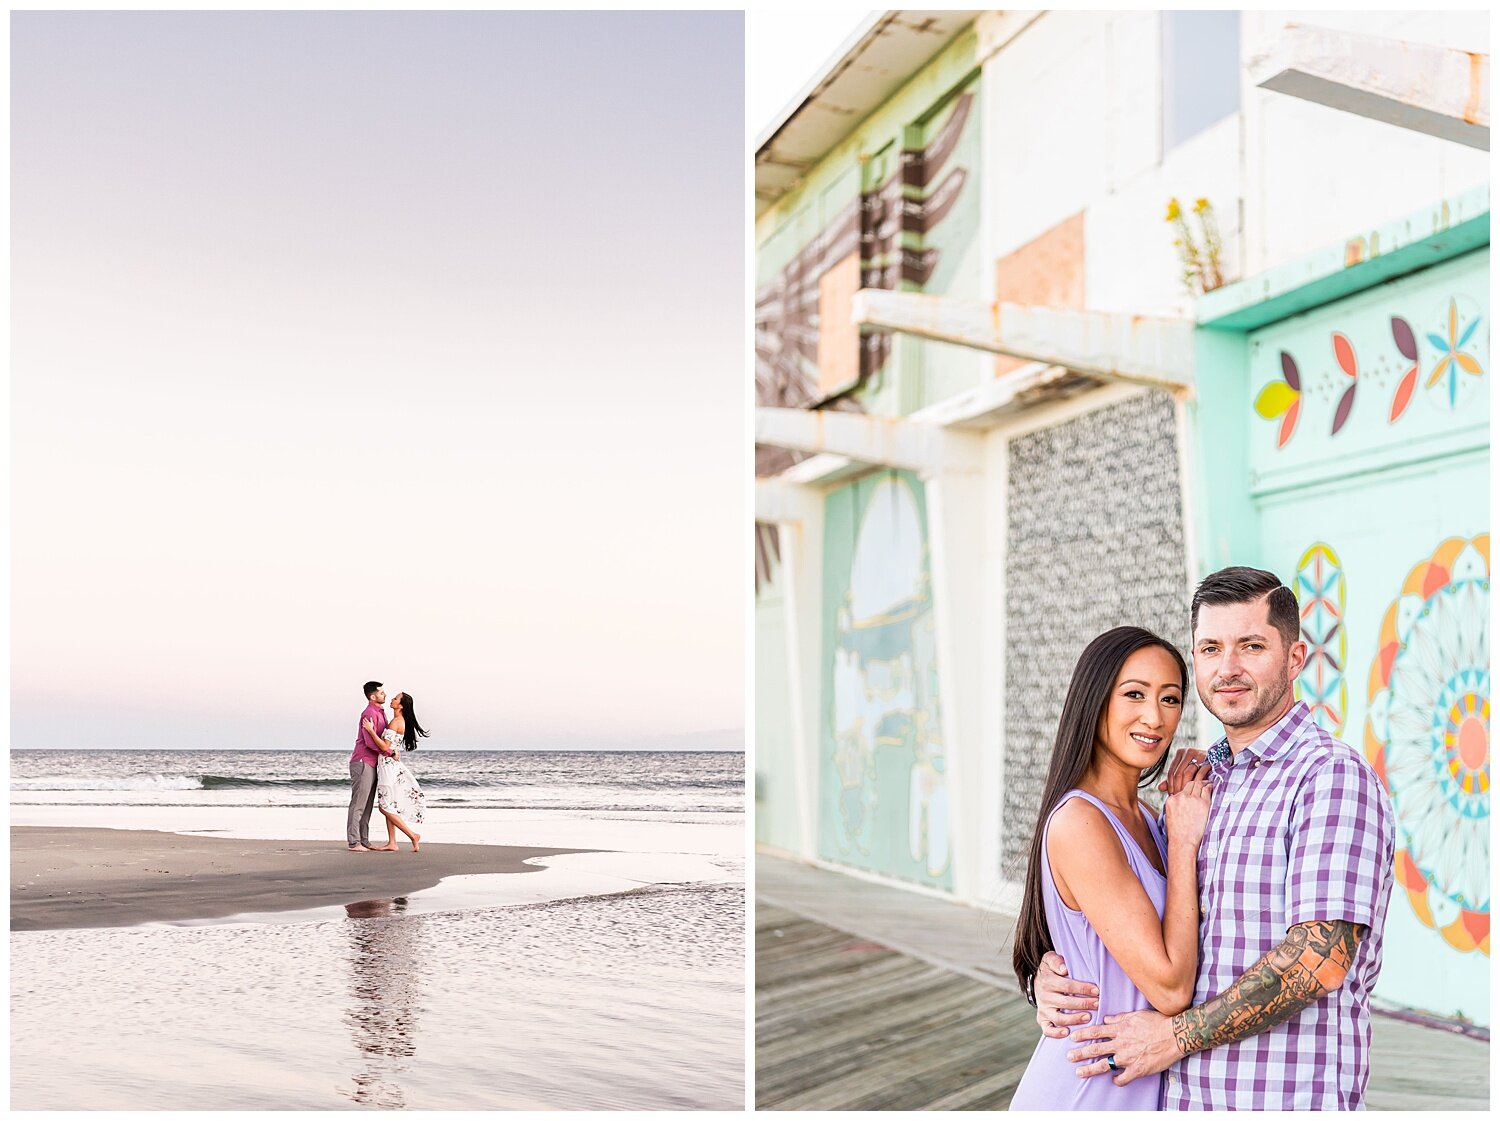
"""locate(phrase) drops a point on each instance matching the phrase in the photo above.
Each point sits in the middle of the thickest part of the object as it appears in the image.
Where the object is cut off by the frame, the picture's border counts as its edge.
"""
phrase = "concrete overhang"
(1434, 90)
(1146, 350)
(880, 57)
(898, 442)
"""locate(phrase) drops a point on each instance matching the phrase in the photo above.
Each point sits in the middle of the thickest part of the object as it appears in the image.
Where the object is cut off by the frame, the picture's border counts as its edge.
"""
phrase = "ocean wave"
(435, 782)
(197, 782)
(225, 782)
(132, 782)
(228, 782)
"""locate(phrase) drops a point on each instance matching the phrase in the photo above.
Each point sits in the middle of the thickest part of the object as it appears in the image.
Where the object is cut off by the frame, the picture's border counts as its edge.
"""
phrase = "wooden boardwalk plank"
(844, 1023)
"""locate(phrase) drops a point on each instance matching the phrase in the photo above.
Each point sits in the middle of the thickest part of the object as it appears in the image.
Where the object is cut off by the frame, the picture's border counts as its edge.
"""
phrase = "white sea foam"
(123, 782)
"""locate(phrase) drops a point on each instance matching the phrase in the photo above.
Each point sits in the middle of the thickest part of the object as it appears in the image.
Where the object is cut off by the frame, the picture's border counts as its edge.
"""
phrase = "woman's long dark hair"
(413, 729)
(1077, 734)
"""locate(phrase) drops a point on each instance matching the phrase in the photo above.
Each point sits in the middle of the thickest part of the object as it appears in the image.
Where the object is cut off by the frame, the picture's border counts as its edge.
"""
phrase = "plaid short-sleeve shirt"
(1300, 830)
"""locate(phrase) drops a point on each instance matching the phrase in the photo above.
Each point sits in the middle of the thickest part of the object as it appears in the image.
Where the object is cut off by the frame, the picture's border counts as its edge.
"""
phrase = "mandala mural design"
(1320, 592)
(1428, 737)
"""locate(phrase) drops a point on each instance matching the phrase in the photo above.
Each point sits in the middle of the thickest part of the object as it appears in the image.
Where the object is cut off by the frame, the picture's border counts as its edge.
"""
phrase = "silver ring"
(1110, 1059)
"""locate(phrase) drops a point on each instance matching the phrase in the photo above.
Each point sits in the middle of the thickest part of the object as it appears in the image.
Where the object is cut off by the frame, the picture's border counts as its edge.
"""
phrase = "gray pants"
(361, 801)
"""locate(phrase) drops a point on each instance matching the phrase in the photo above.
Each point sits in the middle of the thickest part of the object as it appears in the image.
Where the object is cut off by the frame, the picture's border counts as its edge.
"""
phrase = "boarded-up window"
(1045, 272)
(838, 336)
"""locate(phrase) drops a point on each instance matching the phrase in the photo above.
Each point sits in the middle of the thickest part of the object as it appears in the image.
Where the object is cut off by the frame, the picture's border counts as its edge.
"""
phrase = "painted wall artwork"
(886, 230)
(883, 792)
(1428, 736)
(1403, 362)
(1373, 497)
(880, 225)
(1320, 598)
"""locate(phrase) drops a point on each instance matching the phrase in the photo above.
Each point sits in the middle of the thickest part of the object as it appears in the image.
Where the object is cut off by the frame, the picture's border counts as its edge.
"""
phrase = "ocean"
(581, 781)
(620, 984)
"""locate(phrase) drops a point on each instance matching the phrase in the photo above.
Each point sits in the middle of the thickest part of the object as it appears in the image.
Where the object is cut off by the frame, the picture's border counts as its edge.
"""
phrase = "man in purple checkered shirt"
(1294, 877)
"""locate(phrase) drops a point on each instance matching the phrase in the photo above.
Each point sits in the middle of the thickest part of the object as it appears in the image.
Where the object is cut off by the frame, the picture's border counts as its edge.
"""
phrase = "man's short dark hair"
(1247, 585)
(371, 686)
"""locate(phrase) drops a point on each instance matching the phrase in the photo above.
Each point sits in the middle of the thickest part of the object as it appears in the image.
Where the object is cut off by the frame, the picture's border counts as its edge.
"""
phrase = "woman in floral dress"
(398, 796)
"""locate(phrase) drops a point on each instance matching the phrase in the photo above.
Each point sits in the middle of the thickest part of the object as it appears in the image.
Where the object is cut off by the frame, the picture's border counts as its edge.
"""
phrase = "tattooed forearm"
(1309, 964)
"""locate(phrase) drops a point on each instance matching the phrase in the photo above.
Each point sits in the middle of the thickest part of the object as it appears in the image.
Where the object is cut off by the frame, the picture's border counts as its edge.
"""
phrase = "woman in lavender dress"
(397, 794)
(1103, 887)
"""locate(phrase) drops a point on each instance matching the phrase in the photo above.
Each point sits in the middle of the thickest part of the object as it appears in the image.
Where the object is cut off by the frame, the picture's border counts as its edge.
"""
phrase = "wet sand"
(66, 878)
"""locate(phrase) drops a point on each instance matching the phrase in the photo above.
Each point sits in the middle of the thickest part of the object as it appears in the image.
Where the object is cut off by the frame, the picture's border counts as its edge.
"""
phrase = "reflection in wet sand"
(384, 986)
(633, 1001)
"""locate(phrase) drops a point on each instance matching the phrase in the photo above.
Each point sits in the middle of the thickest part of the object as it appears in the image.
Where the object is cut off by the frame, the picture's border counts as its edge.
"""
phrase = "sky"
(784, 49)
(352, 345)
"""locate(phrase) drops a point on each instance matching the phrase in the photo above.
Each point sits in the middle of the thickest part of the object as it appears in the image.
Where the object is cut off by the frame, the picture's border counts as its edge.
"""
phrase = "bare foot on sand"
(358, 848)
(415, 846)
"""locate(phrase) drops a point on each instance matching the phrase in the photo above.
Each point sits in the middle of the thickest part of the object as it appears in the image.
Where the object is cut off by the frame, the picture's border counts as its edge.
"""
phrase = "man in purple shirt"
(367, 753)
(1294, 877)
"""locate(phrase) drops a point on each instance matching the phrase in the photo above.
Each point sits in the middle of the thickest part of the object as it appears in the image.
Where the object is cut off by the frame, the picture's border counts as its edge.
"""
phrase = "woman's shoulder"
(1077, 808)
(1080, 830)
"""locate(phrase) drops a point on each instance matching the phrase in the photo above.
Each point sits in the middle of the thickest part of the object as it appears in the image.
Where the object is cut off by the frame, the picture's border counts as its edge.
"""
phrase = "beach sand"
(79, 878)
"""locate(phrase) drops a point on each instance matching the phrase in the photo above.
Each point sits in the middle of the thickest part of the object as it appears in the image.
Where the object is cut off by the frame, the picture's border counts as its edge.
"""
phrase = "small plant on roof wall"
(1202, 256)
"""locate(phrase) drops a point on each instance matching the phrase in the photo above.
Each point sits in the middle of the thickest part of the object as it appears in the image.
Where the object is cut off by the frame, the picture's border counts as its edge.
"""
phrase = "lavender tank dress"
(1051, 1081)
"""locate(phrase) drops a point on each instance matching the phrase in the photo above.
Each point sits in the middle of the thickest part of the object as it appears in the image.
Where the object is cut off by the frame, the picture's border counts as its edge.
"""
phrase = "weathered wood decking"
(843, 1021)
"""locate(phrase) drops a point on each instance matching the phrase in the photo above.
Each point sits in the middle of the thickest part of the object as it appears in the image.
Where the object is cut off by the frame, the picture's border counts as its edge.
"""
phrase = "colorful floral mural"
(1428, 736)
(1360, 465)
(1454, 361)
(1282, 399)
(1406, 343)
(1442, 360)
(1343, 353)
(1320, 595)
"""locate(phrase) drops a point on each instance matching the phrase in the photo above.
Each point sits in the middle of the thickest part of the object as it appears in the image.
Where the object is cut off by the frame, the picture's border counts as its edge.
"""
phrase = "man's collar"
(1270, 745)
(1220, 759)
(1278, 739)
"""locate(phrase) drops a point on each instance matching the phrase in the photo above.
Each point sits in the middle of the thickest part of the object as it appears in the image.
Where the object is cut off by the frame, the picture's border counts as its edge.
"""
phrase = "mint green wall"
(776, 822)
(883, 794)
(1359, 431)
(932, 222)
(933, 371)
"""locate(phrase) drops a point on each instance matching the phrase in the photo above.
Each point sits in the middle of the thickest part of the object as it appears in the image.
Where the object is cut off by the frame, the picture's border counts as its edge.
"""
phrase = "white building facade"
(994, 420)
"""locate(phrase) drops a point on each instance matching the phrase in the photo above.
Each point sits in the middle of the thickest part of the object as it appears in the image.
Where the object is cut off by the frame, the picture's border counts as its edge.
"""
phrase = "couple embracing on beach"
(377, 775)
(1230, 943)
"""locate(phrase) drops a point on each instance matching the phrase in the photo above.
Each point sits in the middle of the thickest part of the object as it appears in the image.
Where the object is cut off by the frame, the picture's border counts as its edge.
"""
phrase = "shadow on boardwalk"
(869, 997)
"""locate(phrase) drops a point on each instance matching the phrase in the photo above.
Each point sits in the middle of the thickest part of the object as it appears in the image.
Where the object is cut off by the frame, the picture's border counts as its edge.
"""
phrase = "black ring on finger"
(1110, 1060)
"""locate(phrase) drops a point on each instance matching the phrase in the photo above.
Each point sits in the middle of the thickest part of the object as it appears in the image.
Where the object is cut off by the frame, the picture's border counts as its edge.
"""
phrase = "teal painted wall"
(883, 793)
(1365, 424)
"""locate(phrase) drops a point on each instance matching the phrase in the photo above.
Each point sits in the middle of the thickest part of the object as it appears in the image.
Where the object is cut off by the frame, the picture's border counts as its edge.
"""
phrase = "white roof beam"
(878, 441)
(1132, 348)
(780, 502)
(1435, 90)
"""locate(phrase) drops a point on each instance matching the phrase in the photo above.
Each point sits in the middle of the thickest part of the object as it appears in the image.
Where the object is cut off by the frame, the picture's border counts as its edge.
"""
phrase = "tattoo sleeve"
(1309, 964)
